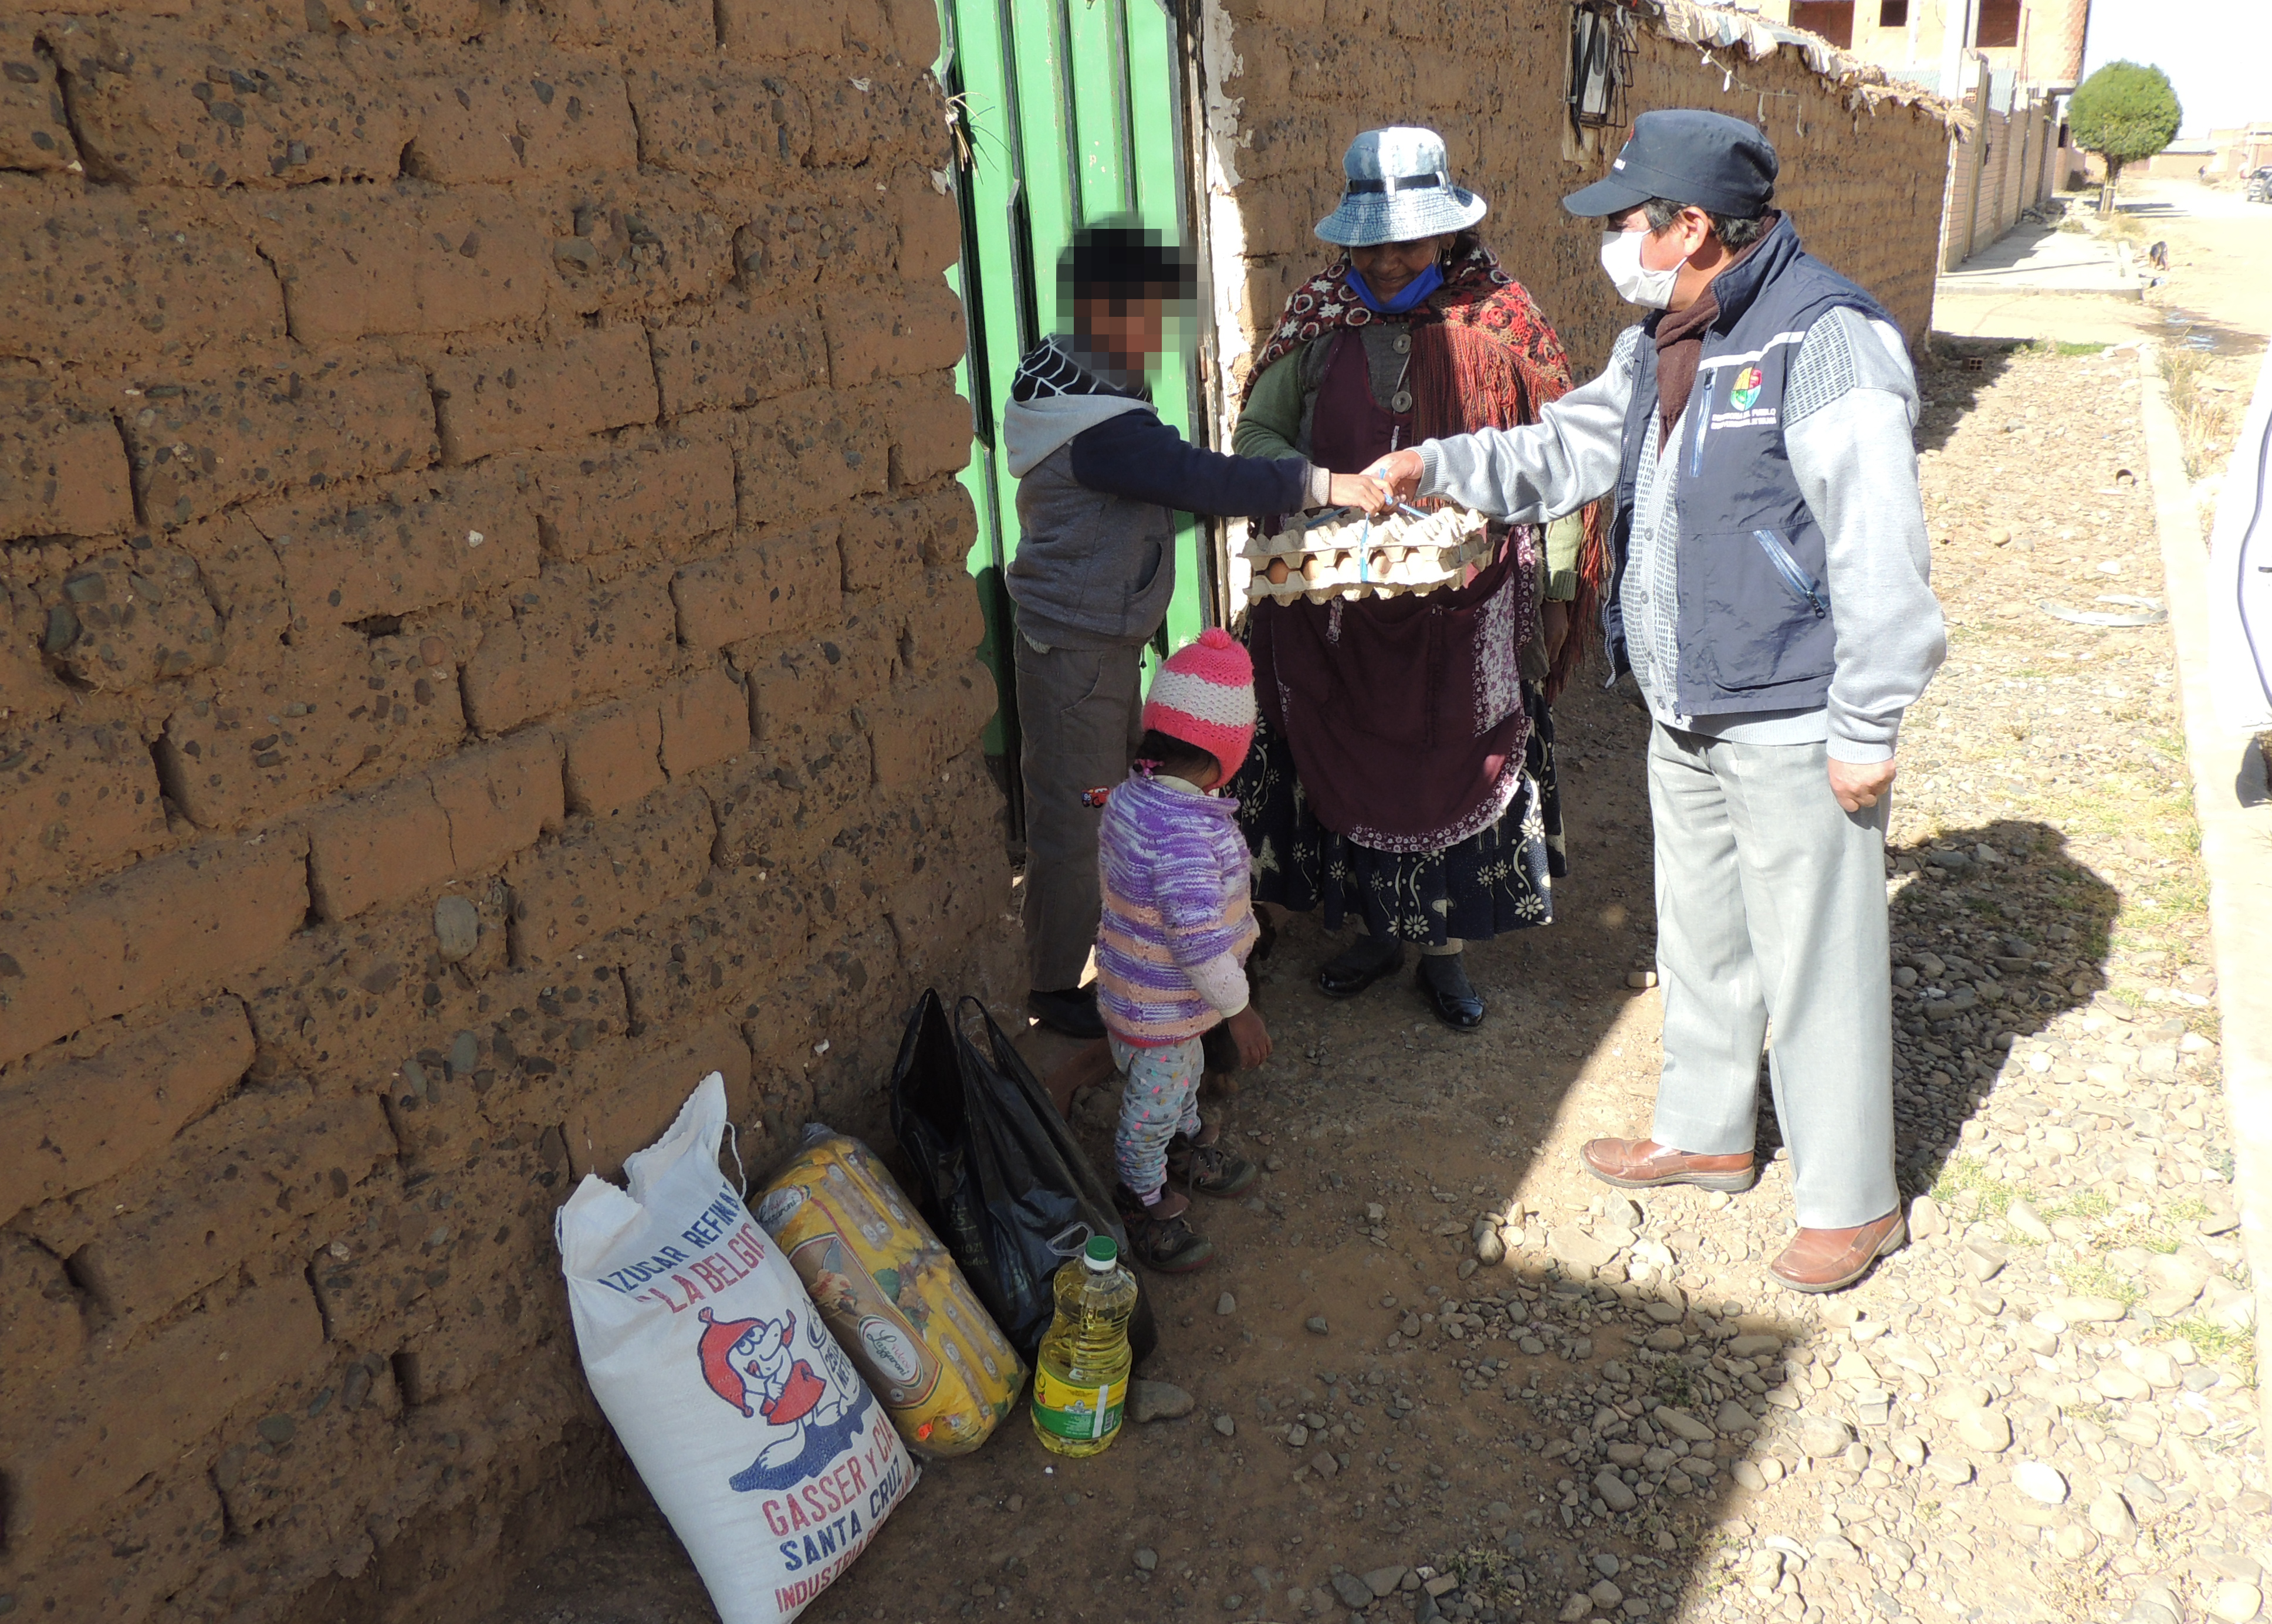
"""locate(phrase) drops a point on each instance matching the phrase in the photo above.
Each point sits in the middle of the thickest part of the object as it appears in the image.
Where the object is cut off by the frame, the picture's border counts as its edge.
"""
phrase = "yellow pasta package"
(892, 1295)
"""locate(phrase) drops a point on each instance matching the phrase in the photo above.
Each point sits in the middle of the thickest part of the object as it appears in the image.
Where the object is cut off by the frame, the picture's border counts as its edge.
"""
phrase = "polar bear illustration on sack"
(808, 1398)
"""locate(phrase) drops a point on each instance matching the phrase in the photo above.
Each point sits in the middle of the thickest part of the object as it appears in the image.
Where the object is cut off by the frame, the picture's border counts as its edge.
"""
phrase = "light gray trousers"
(1771, 906)
(1079, 715)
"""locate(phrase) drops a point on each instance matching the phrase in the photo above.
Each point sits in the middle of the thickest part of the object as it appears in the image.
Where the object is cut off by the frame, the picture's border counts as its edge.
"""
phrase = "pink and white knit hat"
(1204, 695)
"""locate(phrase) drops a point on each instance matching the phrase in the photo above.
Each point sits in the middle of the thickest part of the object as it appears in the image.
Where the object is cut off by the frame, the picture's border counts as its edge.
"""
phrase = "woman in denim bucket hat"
(1403, 773)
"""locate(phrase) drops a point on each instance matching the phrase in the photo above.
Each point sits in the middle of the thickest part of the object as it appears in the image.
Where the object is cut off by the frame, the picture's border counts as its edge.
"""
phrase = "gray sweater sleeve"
(1552, 467)
(1848, 415)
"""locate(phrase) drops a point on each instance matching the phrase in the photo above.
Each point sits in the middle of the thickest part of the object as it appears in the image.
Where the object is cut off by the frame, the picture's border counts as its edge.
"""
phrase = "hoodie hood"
(1053, 400)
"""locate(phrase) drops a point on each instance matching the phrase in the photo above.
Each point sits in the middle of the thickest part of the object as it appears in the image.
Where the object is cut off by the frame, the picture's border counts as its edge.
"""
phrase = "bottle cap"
(1103, 1252)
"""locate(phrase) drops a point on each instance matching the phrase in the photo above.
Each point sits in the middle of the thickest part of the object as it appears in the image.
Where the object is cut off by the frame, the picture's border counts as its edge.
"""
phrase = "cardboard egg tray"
(1344, 554)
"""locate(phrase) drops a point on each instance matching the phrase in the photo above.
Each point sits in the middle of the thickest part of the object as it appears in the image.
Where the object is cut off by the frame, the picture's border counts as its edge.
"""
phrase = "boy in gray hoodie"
(1100, 481)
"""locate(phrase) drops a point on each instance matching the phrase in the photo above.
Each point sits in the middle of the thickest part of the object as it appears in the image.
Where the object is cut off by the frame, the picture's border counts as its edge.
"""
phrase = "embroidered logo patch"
(1746, 389)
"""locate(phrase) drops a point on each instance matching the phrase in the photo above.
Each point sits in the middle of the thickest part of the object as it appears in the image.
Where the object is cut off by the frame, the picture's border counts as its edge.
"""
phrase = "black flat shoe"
(1071, 1010)
(1443, 981)
(1357, 966)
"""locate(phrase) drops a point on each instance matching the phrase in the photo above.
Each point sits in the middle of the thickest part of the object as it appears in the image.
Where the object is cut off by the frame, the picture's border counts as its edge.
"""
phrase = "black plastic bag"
(996, 1171)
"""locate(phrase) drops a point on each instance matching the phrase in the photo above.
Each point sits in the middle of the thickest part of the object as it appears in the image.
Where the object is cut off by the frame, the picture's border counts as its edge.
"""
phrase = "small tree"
(2127, 110)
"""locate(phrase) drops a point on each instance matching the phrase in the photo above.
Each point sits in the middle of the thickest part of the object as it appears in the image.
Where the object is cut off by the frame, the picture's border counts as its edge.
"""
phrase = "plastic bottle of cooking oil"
(1080, 1376)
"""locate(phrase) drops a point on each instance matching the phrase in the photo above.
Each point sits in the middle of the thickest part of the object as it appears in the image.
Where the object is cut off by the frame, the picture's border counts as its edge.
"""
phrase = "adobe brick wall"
(484, 642)
(1293, 80)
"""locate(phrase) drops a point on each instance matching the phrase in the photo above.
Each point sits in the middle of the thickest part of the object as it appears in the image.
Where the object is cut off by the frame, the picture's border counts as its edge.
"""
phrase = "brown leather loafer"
(1830, 1260)
(1644, 1165)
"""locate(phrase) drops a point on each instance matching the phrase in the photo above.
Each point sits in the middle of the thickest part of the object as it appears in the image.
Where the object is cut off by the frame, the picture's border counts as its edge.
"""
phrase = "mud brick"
(127, 619)
(811, 452)
(42, 1331)
(377, 848)
(75, 802)
(569, 643)
(917, 328)
(931, 428)
(657, 27)
(739, 358)
(73, 1459)
(599, 873)
(706, 720)
(28, 691)
(261, 1165)
(549, 117)
(279, 1472)
(146, 1549)
(883, 541)
(531, 395)
(201, 445)
(780, 585)
(944, 625)
(401, 544)
(931, 230)
(658, 243)
(607, 1125)
(468, 814)
(245, 583)
(155, 104)
(68, 471)
(853, 122)
(720, 121)
(392, 1248)
(174, 924)
(107, 276)
(355, 1005)
(786, 803)
(615, 756)
(790, 240)
(913, 29)
(615, 497)
(340, 710)
(34, 130)
(767, 30)
(500, 798)
(941, 721)
(704, 954)
(817, 684)
(354, 263)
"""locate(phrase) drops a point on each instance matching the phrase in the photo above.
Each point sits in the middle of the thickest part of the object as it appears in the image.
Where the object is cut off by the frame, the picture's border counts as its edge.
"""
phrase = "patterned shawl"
(1483, 357)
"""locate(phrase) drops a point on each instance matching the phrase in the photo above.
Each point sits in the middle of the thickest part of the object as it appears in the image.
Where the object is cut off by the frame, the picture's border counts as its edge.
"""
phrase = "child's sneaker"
(1164, 1245)
(1207, 1169)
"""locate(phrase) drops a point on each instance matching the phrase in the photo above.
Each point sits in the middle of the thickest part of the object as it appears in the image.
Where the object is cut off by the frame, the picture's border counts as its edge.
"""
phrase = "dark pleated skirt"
(1499, 880)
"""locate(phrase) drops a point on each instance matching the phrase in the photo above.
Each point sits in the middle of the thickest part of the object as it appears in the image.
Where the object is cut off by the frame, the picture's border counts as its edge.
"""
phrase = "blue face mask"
(1418, 288)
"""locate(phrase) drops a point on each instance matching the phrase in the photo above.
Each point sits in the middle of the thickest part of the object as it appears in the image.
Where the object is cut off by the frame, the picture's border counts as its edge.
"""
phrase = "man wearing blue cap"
(1771, 599)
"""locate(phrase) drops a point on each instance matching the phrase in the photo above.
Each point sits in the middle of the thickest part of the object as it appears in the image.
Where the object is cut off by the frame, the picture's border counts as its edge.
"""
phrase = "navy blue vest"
(1757, 629)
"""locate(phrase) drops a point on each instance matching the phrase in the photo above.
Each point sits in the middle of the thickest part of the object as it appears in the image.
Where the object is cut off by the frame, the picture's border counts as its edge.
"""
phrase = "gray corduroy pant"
(1079, 716)
(1771, 906)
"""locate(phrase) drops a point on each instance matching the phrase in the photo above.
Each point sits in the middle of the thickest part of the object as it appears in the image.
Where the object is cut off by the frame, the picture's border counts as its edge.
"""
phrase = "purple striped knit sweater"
(1178, 916)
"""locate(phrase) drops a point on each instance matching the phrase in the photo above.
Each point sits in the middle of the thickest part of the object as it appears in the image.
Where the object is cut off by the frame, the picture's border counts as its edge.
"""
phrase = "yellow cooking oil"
(1080, 1376)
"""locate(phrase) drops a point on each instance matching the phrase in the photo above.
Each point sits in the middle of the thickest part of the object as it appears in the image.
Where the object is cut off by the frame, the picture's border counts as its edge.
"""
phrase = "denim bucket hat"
(1398, 187)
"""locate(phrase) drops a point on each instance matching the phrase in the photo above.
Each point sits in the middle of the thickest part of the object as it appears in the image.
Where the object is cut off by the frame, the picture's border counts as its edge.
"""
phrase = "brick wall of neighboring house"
(1290, 81)
(484, 642)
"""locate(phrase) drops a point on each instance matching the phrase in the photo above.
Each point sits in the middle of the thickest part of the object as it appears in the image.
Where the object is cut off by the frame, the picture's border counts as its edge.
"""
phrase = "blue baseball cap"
(1686, 155)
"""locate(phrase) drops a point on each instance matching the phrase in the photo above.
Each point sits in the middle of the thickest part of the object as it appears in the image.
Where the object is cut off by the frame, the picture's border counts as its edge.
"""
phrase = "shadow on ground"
(1453, 1416)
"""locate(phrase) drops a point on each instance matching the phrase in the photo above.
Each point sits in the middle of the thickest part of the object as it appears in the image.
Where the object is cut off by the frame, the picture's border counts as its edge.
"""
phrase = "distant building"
(2030, 44)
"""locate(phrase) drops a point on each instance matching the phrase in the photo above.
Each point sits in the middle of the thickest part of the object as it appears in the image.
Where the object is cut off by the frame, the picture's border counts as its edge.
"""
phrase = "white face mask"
(1636, 283)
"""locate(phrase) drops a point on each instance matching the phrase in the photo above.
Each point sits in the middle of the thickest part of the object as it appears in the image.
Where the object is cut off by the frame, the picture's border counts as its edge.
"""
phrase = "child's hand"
(1357, 490)
(1251, 1036)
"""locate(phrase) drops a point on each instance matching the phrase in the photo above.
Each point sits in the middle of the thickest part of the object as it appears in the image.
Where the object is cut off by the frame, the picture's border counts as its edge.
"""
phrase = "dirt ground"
(1458, 1398)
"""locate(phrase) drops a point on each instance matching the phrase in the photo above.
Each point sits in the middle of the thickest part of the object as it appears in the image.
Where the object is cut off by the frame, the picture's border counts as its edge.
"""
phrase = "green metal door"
(1068, 112)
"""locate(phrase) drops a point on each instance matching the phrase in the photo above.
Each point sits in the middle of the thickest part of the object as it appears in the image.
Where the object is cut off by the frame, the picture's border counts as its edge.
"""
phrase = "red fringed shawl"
(1490, 360)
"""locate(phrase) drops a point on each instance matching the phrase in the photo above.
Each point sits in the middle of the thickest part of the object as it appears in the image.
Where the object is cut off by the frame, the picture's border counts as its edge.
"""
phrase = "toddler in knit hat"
(1177, 924)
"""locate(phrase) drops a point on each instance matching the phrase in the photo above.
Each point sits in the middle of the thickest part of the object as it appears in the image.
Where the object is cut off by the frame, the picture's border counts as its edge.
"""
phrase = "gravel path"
(1436, 1372)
